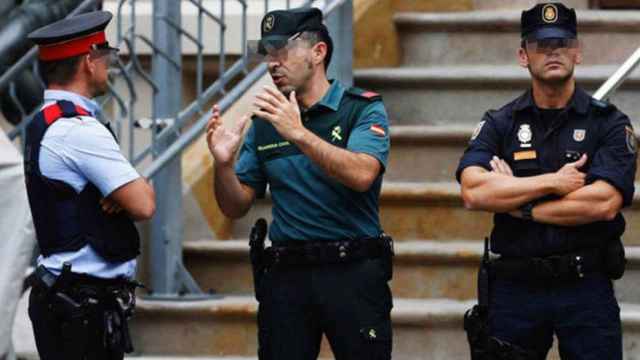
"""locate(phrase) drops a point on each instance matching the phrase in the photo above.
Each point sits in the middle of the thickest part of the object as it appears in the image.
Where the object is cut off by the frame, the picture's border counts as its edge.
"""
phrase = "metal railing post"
(340, 24)
(167, 224)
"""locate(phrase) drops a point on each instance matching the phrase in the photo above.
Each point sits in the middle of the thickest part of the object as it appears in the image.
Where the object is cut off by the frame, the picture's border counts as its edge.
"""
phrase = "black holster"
(83, 306)
(388, 255)
(256, 253)
(476, 323)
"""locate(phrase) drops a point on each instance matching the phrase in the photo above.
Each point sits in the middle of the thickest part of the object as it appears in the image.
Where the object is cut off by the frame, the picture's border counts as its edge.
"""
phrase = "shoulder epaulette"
(365, 94)
(602, 106)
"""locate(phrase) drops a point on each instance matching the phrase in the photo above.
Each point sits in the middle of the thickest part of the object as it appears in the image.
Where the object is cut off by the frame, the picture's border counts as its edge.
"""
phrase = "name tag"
(524, 155)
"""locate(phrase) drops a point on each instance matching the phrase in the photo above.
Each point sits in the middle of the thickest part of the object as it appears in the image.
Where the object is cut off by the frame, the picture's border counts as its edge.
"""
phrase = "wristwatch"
(527, 211)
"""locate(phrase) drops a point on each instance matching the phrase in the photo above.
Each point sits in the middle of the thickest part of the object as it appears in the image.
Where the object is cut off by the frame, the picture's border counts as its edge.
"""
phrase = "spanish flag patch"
(378, 130)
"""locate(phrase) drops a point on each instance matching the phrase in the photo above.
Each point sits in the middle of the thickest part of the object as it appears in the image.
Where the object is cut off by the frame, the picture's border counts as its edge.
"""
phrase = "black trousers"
(349, 303)
(62, 333)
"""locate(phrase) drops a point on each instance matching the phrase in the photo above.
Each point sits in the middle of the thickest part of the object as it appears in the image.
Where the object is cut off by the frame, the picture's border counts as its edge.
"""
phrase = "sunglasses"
(266, 51)
(104, 50)
(546, 45)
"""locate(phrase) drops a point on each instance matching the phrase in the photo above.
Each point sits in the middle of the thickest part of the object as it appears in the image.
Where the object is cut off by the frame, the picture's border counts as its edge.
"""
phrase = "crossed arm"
(499, 191)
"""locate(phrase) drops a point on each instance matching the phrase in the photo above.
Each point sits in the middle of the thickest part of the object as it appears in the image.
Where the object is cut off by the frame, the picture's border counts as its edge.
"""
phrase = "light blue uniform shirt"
(79, 151)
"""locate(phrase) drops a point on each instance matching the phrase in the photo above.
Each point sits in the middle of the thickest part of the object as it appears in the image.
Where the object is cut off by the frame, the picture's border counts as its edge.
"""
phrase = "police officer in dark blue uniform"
(84, 196)
(321, 147)
(556, 167)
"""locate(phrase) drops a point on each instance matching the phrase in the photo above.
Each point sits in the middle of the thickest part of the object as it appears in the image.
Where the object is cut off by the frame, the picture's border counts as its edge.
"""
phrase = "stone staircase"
(455, 66)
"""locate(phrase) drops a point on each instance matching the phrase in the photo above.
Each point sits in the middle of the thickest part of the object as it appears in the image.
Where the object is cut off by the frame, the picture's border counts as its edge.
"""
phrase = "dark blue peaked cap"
(549, 20)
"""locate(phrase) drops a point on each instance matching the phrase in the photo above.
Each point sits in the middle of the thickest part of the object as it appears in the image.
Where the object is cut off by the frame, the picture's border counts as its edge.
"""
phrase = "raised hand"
(569, 178)
(282, 113)
(223, 142)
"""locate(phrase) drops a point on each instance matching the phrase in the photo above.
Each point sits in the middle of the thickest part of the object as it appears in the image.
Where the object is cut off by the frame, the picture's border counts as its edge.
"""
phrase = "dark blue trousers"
(583, 314)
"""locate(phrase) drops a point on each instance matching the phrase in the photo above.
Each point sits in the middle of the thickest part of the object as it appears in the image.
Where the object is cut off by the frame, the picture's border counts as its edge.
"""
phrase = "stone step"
(431, 210)
(408, 211)
(439, 95)
(422, 269)
(423, 329)
(425, 153)
(493, 37)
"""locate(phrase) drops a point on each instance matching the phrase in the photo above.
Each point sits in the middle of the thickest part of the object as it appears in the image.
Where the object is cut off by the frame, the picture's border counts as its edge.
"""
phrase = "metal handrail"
(618, 77)
(196, 129)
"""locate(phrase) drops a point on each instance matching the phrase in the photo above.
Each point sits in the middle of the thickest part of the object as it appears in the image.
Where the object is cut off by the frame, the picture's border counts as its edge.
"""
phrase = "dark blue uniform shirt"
(307, 203)
(516, 133)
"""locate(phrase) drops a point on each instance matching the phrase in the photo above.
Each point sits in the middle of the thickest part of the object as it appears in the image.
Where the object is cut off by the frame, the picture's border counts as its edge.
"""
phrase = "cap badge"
(549, 13)
(267, 24)
(525, 135)
(579, 134)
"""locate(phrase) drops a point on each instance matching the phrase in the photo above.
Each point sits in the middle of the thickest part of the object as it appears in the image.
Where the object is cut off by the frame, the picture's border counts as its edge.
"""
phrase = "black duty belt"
(560, 267)
(80, 297)
(292, 253)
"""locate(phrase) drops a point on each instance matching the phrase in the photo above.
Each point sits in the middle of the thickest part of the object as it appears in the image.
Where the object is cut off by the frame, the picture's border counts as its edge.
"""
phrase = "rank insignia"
(579, 134)
(369, 94)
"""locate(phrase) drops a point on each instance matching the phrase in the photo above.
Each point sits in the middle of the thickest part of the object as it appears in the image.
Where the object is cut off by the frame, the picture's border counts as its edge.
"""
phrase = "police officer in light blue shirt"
(84, 197)
(79, 151)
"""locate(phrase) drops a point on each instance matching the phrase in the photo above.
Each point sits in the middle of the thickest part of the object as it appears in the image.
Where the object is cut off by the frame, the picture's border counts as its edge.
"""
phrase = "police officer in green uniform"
(322, 149)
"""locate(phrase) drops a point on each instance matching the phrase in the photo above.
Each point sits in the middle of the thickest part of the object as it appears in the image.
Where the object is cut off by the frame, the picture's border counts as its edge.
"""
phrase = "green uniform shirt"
(307, 203)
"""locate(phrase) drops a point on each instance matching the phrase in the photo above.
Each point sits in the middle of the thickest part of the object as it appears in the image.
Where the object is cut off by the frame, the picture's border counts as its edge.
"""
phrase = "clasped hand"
(282, 113)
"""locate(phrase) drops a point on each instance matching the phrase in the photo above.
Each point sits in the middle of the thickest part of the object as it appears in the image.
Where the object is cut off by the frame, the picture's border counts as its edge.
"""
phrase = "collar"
(86, 103)
(333, 96)
(579, 101)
